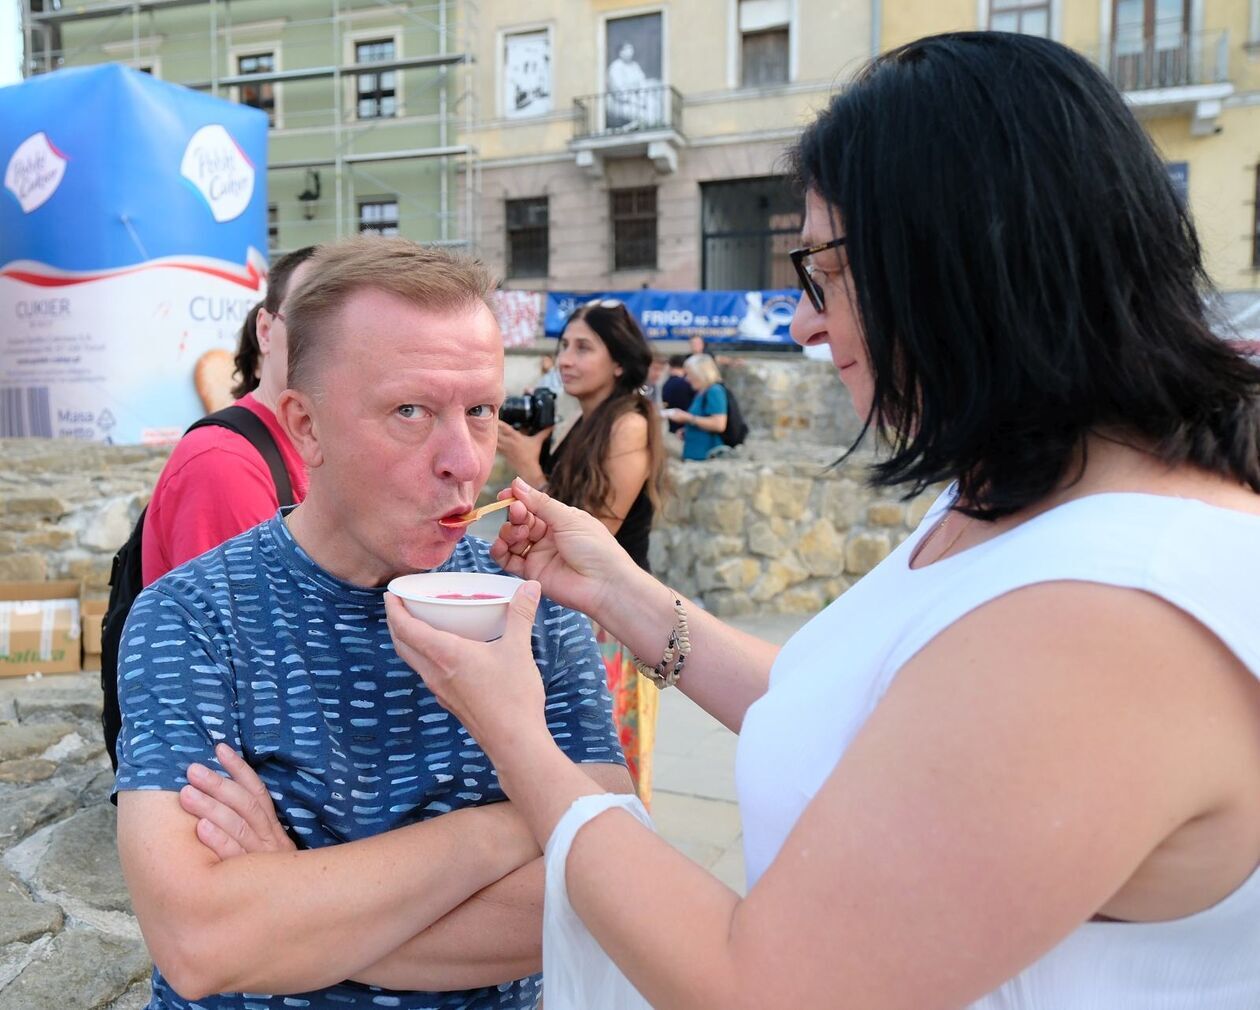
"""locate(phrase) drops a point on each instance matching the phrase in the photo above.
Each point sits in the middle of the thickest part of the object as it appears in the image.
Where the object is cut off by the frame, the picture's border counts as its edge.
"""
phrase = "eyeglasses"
(805, 271)
(604, 303)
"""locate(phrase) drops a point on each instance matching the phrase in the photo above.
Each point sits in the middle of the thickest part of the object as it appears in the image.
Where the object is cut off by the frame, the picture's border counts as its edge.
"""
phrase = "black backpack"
(736, 427)
(125, 580)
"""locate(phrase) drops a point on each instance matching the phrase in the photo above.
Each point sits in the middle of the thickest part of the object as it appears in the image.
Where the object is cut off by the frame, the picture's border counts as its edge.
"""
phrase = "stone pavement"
(68, 940)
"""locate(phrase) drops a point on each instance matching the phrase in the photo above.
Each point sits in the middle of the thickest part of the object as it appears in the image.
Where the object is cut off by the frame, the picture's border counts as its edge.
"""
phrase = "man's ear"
(295, 412)
(262, 329)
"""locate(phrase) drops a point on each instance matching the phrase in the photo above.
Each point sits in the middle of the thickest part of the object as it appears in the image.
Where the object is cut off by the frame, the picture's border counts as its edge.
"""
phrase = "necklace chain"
(940, 527)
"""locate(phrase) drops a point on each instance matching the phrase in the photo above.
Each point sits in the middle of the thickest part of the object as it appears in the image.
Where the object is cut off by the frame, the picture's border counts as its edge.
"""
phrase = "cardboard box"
(93, 614)
(39, 628)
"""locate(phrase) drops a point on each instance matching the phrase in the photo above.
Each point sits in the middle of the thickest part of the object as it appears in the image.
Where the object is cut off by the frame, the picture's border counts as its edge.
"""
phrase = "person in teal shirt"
(705, 420)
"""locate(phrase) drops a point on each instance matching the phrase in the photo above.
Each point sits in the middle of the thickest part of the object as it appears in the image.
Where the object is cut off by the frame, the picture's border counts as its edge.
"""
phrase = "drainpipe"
(877, 24)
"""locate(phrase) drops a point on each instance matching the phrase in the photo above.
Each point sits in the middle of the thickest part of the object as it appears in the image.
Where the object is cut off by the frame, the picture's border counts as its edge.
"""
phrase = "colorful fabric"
(635, 700)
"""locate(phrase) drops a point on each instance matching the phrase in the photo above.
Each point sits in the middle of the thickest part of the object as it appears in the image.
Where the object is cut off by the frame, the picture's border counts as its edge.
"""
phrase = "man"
(410, 878)
(676, 393)
(215, 483)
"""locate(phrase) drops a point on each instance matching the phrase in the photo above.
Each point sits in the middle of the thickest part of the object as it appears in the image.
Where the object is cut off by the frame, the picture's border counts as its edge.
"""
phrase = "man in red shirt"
(216, 484)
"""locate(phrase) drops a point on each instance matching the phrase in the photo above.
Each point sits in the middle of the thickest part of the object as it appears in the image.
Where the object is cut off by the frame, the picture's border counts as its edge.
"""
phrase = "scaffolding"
(417, 154)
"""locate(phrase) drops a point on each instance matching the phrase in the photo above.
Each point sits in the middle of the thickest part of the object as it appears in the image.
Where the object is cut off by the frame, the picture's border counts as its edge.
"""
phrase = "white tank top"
(830, 676)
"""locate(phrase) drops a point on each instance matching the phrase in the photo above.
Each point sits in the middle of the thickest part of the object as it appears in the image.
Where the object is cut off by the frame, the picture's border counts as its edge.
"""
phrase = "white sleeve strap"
(577, 974)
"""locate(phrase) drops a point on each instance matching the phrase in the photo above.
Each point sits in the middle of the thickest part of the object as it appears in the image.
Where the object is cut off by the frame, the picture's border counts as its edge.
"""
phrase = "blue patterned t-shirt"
(254, 644)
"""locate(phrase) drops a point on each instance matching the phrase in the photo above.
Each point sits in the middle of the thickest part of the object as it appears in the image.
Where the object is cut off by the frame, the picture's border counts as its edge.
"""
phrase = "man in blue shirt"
(412, 884)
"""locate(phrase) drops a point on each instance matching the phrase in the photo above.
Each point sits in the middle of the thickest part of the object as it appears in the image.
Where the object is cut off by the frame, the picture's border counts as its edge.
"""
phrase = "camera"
(531, 413)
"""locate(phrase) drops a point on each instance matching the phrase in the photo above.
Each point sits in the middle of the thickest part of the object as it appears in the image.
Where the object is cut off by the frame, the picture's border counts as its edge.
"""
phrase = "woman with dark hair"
(1017, 766)
(247, 356)
(610, 463)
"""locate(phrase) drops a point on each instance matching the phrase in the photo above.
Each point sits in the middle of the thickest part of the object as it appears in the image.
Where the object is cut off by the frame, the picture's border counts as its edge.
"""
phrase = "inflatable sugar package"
(133, 220)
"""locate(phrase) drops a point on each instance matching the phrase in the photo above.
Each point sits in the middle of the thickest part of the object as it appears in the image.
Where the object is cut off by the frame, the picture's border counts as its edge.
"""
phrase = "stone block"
(770, 537)
(82, 860)
(53, 538)
(718, 516)
(845, 503)
(47, 506)
(23, 812)
(728, 603)
(733, 573)
(22, 920)
(84, 968)
(822, 549)
(51, 704)
(27, 566)
(777, 577)
(92, 571)
(25, 741)
(776, 495)
(886, 513)
(801, 600)
(107, 528)
(24, 771)
(865, 550)
(708, 550)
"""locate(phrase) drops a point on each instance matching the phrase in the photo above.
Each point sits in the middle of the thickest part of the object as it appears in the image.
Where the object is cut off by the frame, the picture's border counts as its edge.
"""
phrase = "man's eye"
(482, 410)
(408, 410)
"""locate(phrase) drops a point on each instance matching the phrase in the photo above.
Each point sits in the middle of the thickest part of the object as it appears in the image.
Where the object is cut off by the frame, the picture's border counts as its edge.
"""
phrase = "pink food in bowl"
(469, 596)
(470, 604)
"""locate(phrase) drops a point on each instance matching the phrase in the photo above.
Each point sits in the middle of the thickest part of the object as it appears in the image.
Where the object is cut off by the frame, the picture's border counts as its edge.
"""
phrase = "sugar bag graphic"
(132, 221)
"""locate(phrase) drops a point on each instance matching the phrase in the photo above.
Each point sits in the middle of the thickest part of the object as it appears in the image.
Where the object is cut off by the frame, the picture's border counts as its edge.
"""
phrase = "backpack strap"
(250, 427)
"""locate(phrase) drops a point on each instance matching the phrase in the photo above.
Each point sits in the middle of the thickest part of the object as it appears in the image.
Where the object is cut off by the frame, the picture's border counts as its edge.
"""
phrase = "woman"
(1018, 765)
(610, 463)
(705, 421)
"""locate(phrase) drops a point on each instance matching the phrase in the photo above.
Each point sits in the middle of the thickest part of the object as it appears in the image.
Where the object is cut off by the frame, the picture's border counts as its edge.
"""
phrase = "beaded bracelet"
(667, 672)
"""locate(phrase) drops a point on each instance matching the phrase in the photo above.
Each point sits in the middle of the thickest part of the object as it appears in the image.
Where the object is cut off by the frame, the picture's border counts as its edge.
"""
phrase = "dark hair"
(579, 477)
(247, 354)
(1024, 272)
(677, 360)
(247, 351)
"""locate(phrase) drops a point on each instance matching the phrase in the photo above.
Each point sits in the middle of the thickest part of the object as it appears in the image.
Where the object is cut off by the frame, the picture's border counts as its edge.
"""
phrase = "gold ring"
(528, 547)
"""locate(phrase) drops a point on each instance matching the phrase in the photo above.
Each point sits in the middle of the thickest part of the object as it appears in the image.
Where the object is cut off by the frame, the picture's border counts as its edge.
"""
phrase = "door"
(1150, 43)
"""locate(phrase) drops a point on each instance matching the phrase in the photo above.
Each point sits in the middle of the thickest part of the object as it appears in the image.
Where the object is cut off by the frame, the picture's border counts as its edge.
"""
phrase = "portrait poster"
(526, 74)
(633, 79)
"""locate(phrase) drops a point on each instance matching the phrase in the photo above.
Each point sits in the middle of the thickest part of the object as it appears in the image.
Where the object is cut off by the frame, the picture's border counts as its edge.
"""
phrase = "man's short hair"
(428, 277)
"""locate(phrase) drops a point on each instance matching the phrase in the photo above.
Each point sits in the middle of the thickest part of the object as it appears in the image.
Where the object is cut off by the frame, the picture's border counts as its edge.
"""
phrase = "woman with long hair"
(1016, 766)
(610, 463)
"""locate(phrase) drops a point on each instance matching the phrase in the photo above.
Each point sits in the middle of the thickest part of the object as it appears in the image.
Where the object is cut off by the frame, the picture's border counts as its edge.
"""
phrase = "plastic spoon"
(475, 514)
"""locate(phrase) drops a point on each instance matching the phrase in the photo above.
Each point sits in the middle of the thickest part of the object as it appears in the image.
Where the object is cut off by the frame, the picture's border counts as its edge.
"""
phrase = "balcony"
(1173, 74)
(639, 123)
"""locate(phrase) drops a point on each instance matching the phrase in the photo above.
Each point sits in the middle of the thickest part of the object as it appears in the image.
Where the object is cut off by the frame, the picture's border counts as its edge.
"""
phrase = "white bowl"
(447, 600)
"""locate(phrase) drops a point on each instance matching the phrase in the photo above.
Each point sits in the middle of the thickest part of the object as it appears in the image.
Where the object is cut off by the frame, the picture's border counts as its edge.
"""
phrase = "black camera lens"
(531, 413)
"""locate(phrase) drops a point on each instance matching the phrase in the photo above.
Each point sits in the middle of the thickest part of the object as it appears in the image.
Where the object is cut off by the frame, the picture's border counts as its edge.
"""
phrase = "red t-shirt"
(214, 486)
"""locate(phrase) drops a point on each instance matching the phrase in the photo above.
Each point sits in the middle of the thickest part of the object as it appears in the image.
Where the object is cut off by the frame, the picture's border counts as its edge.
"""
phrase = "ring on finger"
(528, 547)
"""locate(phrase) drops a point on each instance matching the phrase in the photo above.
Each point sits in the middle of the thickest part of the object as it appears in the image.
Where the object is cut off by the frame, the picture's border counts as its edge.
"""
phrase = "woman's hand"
(493, 688)
(571, 553)
(677, 415)
(523, 452)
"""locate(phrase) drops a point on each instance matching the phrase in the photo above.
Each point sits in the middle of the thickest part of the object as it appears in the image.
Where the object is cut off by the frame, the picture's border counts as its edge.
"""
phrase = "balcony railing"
(1168, 60)
(617, 113)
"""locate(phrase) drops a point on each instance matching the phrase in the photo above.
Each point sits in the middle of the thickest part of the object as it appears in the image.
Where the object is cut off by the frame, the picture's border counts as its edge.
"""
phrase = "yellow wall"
(833, 39)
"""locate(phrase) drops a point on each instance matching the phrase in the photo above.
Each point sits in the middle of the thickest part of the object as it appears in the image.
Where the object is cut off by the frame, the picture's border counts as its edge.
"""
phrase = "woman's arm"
(580, 565)
(711, 422)
(523, 452)
(626, 465)
(1017, 773)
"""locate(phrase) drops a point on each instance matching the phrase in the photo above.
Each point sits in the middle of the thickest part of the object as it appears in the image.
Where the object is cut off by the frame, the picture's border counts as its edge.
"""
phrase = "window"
(747, 227)
(379, 216)
(527, 237)
(261, 95)
(764, 42)
(377, 96)
(1024, 16)
(634, 228)
(273, 227)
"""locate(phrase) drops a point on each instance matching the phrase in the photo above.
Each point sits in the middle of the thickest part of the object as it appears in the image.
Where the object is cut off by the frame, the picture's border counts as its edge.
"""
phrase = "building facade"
(369, 103)
(615, 144)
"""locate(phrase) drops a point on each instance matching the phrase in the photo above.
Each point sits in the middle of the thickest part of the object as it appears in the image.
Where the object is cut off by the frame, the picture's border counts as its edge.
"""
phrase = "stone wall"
(67, 934)
(758, 532)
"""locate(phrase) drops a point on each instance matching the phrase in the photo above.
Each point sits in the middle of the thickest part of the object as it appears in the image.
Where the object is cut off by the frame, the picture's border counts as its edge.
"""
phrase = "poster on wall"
(526, 74)
(761, 317)
(132, 216)
(634, 98)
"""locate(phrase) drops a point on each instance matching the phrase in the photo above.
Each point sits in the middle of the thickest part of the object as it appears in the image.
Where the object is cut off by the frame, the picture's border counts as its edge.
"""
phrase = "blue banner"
(717, 316)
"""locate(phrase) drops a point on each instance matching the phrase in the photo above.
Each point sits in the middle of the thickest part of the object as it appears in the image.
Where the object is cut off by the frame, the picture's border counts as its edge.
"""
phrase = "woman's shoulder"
(630, 430)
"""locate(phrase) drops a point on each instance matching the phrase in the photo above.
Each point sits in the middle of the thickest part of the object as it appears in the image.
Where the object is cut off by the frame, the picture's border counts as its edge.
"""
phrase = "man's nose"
(456, 457)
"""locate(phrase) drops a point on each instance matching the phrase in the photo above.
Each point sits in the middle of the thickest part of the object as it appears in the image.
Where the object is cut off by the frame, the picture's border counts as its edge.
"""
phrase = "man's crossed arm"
(226, 903)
